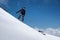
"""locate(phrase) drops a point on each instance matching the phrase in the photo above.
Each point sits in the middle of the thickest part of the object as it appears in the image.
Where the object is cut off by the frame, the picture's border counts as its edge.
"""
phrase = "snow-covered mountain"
(13, 29)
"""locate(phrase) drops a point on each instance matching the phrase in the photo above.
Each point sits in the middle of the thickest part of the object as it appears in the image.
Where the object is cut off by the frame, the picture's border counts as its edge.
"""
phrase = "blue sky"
(39, 13)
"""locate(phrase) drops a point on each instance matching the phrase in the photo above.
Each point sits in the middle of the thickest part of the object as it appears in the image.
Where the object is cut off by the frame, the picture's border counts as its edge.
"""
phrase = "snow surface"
(13, 29)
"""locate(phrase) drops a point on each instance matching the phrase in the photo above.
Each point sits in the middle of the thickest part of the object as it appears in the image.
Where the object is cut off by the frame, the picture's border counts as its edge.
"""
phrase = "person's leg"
(19, 16)
(22, 18)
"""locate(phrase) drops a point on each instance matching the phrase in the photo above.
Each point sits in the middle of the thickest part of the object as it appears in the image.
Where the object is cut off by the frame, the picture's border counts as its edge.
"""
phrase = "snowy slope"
(13, 29)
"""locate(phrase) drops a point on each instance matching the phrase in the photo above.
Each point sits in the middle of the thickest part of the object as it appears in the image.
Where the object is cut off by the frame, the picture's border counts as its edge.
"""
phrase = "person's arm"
(18, 11)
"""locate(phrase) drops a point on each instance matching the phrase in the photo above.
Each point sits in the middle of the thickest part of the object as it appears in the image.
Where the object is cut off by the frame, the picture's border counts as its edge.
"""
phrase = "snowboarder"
(22, 13)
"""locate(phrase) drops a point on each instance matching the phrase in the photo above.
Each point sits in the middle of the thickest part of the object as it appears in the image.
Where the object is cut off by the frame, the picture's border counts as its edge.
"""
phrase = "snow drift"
(13, 29)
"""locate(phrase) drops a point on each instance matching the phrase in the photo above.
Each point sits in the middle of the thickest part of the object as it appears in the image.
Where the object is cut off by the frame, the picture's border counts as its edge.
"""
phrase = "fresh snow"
(13, 29)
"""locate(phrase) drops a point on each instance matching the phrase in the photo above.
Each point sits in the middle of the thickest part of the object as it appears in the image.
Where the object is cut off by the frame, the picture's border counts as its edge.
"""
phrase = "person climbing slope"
(22, 13)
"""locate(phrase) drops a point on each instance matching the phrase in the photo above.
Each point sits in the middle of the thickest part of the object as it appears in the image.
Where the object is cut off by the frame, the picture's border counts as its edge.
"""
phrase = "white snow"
(13, 29)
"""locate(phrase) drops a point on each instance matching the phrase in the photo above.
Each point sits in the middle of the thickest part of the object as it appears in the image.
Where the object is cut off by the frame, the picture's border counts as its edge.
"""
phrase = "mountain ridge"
(13, 29)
